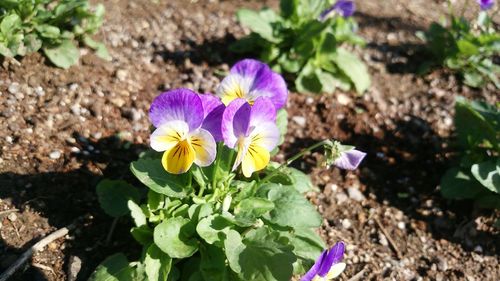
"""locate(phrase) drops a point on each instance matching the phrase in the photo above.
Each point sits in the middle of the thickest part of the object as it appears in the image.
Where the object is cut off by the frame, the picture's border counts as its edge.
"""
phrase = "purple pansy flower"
(250, 79)
(252, 131)
(178, 116)
(328, 265)
(343, 7)
(349, 159)
(213, 109)
(486, 4)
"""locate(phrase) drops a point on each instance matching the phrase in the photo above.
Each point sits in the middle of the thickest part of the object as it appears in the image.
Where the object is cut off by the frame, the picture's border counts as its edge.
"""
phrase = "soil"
(62, 131)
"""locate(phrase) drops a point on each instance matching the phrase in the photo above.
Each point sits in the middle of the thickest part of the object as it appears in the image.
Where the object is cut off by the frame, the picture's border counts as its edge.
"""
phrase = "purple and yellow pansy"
(252, 131)
(182, 133)
(250, 79)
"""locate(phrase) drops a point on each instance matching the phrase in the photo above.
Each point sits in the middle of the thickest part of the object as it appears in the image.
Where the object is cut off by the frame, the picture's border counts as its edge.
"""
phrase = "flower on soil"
(343, 156)
(252, 131)
(250, 79)
(181, 132)
(486, 4)
(343, 7)
(328, 265)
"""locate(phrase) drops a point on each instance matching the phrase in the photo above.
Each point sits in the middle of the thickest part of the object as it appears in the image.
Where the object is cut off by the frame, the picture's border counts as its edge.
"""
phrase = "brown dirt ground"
(62, 131)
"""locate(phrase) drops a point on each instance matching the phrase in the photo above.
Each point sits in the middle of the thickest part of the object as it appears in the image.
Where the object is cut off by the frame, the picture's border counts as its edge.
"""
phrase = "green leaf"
(456, 184)
(213, 263)
(327, 80)
(113, 268)
(260, 256)
(308, 81)
(213, 228)
(488, 200)
(48, 31)
(467, 48)
(100, 49)
(291, 208)
(250, 209)
(487, 174)
(113, 196)
(473, 79)
(157, 264)
(10, 24)
(354, 68)
(300, 181)
(174, 236)
(282, 123)
(257, 24)
(32, 43)
(151, 173)
(137, 213)
(328, 46)
(156, 200)
(197, 212)
(474, 124)
(63, 55)
(142, 234)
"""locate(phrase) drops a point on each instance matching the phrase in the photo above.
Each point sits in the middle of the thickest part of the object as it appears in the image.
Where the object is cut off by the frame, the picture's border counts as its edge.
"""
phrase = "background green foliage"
(466, 48)
(477, 173)
(27, 26)
(296, 42)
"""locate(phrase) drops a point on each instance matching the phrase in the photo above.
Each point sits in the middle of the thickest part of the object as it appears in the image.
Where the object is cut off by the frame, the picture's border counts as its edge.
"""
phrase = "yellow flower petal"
(233, 87)
(255, 159)
(168, 135)
(179, 158)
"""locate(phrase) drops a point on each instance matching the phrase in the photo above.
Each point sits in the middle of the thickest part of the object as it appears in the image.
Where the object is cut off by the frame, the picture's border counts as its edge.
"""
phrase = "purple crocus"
(252, 131)
(178, 116)
(349, 159)
(328, 265)
(250, 79)
(345, 8)
(486, 4)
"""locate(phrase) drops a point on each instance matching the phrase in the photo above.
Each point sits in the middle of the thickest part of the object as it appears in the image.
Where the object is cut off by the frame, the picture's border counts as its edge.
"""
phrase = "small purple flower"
(178, 116)
(486, 4)
(350, 159)
(250, 79)
(252, 131)
(345, 8)
(328, 265)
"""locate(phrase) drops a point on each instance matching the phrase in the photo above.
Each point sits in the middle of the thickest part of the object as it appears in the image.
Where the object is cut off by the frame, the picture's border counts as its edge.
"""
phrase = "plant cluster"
(27, 26)
(477, 173)
(217, 207)
(467, 48)
(306, 40)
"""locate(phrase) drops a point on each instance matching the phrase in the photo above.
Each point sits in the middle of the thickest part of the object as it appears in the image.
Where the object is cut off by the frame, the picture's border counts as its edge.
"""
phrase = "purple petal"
(315, 268)
(241, 120)
(350, 160)
(486, 4)
(180, 104)
(257, 80)
(213, 109)
(335, 255)
(227, 127)
(345, 8)
(262, 111)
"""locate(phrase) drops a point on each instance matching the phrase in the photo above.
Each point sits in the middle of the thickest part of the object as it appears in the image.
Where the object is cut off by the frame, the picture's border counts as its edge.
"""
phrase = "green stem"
(216, 166)
(293, 158)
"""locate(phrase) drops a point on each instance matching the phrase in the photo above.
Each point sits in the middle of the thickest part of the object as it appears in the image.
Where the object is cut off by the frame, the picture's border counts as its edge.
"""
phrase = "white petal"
(168, 135)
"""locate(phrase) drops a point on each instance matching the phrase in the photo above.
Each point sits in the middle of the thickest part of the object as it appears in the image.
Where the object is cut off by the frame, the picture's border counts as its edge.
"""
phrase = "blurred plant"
(27, 26)
(306, 40)
(477, 173)
(217, 208)
(467, 48)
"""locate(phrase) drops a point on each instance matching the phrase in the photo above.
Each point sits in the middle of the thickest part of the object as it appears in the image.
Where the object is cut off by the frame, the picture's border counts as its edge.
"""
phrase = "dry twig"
(389, 238)
(35, 248)
(359, 275)
(8, 211)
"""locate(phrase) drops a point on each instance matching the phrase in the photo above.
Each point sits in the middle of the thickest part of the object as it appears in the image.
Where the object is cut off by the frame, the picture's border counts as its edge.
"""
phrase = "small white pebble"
(401, 225)
(56, 154)
(12, 217)
(346, 223)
